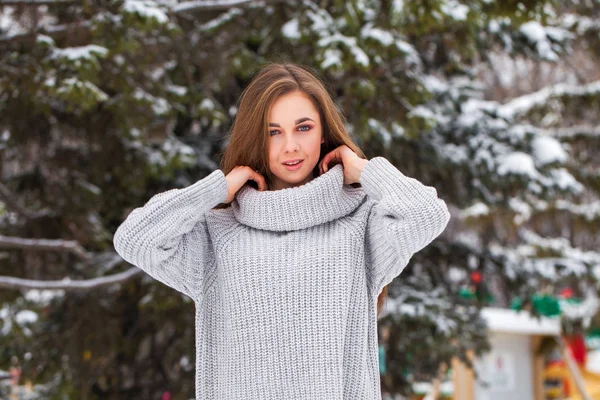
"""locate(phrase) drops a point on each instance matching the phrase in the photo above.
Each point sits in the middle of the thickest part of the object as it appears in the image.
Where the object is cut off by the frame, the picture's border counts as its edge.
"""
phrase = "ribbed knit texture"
(285, 282)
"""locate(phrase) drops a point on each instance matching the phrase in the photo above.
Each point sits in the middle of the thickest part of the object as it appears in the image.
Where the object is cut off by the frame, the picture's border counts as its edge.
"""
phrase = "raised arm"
(168, 237)
(406, 217)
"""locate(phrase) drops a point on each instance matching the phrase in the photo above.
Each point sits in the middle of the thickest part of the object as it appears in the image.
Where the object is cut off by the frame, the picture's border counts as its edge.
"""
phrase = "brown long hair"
(247, 139)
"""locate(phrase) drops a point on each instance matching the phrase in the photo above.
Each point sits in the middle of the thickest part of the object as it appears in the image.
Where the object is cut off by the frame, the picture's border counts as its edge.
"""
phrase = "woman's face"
(294, 134)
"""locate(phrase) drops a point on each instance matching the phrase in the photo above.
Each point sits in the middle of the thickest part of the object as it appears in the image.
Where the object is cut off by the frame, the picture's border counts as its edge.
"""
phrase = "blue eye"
(275, 131)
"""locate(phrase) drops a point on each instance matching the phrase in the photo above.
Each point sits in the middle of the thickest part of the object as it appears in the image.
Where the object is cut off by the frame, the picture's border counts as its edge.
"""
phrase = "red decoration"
(476, 276)
(576, 343)
(567, 293)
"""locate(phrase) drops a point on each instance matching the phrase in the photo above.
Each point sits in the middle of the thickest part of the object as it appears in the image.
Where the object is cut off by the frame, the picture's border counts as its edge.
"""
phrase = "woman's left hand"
(352, 163)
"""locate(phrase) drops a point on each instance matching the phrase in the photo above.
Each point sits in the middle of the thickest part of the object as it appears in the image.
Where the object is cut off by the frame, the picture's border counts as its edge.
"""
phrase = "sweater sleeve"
(168, 237)
(406, 217)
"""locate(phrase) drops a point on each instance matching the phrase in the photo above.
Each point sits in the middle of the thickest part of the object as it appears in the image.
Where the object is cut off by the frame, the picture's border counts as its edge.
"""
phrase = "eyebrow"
(296, 122)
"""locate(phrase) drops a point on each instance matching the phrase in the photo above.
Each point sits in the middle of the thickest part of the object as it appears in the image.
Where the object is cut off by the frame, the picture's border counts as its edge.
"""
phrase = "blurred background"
(494, 103)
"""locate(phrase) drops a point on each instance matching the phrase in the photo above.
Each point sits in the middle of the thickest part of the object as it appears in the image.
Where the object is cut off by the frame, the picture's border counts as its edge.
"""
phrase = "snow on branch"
(575, 131)
(71, 246)
(35, 2)
(75, 28)
(148, 7)
(7, 282)
(523, 104)
(207, 5)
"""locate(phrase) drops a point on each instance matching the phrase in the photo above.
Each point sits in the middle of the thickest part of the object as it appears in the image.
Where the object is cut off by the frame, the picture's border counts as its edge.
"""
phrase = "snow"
(581, 24)
(456, 274)
(291, 30)
(321, 21)
(521, 105)
(589, 211)
(455, 10)
(397, 6)
(493, 26)
(159, 105)
(178, 90)
(44, 39)
(565, 180)
(584, 310)
(8, 23)
(518, 163)
(381, 36)
(397, 130)
(331, 57)
(6, 319)
(566, 262)
(547, 150)
(535, 34)
(70, 84)
(519, 322)
(427, 113)
(522, 210)
(157, 73)
(207, 104)
(412, 56)
(220, 20)
(24, 317)
(431, 305)
(377, 127)
(77, 54)
(350, 42)
(146, 9)
(475, 211)
(434, 84)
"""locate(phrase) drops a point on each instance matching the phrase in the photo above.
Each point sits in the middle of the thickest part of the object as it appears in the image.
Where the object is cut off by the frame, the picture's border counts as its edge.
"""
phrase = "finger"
(331, 157)
(263, 183)
(325, 161)
(260, 180)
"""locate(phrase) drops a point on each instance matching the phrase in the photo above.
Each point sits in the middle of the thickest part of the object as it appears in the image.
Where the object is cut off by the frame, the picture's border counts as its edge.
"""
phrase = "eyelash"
(301, 126)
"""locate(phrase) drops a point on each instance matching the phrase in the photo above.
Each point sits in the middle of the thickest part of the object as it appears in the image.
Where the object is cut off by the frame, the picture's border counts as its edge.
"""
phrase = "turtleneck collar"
(320, 200)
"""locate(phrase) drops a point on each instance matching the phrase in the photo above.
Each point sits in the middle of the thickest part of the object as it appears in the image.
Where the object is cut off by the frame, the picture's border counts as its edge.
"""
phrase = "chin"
(294, 177)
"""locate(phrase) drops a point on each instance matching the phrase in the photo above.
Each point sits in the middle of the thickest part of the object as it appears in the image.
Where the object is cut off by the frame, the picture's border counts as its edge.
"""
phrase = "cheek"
(315, 145)
(272, 150)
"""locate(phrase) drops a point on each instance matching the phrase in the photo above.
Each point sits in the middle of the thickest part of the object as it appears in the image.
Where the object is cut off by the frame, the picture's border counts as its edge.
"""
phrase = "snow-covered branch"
(72, 246)
(34, 2)
(574, 131)
(523, 104)
(84, 26)
(8, 282)
(75, 28)
(209, 5)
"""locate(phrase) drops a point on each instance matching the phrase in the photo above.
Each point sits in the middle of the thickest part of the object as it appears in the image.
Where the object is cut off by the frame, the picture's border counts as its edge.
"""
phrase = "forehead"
(291, 106)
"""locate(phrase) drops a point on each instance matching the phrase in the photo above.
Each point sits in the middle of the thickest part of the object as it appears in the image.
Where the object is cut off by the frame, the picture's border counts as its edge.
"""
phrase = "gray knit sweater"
(285, 282)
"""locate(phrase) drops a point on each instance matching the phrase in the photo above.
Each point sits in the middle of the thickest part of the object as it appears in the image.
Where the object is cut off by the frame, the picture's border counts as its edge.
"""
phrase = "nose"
(290, 145)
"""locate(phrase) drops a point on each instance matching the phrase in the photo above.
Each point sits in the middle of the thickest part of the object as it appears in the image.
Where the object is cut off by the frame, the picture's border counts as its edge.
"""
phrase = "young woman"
(287, 249)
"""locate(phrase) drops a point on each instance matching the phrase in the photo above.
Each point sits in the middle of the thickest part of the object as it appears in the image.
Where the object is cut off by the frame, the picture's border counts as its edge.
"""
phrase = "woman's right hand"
(238, 176)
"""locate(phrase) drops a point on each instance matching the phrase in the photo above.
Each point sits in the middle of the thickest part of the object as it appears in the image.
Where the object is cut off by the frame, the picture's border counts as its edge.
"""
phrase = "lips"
(294, 166)
(292, 161)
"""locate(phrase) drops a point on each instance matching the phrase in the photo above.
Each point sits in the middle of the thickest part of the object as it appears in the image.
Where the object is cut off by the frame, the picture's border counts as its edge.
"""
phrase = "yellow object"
(557, 373)
(591, 379)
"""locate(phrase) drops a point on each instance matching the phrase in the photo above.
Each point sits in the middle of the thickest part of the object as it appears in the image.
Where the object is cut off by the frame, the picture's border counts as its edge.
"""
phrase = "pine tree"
(103, 104)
